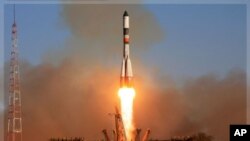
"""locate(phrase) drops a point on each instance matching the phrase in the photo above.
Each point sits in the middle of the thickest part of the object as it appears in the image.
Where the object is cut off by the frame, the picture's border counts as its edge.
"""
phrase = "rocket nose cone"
(125, 13)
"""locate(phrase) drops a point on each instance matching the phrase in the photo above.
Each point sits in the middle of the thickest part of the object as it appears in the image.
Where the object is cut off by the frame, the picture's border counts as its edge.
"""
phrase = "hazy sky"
(199, 39)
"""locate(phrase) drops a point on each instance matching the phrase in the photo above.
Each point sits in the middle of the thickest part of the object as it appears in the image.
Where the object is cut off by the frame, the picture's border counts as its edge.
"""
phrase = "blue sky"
(199, 39)
(37, 32)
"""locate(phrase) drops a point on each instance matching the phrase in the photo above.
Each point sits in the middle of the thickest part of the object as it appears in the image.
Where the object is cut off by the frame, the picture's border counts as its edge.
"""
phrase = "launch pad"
(118, 133)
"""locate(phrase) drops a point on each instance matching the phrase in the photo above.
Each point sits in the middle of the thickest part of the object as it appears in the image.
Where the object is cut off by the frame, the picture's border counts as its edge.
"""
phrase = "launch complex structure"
(14, 127)
(117, 135)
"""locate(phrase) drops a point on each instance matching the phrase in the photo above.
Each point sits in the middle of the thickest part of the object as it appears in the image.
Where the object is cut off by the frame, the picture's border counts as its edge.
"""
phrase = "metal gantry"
(14, 127)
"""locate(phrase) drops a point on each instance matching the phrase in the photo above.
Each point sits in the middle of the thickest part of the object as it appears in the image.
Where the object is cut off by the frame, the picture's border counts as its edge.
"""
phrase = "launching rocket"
(126, 70)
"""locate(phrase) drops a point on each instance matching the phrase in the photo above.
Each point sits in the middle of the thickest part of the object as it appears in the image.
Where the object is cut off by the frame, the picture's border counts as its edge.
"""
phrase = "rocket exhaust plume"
(126, 92)
(127, 97)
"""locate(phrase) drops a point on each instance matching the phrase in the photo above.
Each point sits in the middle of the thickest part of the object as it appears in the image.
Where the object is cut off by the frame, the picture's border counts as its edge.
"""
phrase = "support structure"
(120, 131)
(14, 127)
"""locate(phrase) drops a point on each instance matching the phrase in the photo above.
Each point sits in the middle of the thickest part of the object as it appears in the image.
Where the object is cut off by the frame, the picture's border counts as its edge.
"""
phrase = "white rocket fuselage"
(126, 71)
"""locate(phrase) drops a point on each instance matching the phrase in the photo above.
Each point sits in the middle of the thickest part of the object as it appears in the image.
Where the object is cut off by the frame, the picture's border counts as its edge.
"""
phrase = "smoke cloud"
(206, 104)
(98, 35)
(74, 97)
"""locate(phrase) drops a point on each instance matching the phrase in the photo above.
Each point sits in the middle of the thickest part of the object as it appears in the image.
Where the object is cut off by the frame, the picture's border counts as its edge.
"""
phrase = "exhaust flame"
(127, 96)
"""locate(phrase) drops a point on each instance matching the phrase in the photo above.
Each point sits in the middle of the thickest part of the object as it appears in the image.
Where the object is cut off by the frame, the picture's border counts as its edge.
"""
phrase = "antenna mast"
(14, 129)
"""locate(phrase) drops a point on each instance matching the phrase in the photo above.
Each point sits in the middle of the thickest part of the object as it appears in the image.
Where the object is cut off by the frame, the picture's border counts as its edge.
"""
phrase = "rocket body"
(126, 70)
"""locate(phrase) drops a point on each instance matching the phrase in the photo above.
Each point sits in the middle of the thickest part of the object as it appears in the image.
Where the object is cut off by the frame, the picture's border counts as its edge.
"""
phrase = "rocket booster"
(126, 70)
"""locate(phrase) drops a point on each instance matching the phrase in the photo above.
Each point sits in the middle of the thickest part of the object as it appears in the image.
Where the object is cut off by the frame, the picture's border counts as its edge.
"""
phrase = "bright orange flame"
(127, 97)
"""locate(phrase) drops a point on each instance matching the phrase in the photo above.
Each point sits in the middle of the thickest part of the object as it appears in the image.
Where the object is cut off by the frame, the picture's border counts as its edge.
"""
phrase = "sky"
(37, 32)
(198, 39)
(201, 38)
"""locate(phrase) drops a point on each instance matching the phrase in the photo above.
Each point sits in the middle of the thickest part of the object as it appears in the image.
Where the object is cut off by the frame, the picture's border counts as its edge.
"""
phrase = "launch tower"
(14, 127)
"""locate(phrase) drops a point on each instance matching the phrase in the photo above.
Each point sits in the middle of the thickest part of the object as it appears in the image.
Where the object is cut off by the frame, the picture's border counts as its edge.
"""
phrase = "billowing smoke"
(74, 97)
(98, 35)
(205, 104)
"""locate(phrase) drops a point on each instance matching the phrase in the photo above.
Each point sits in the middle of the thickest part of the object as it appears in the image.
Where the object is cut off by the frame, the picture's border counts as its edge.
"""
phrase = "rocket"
(126, 70)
